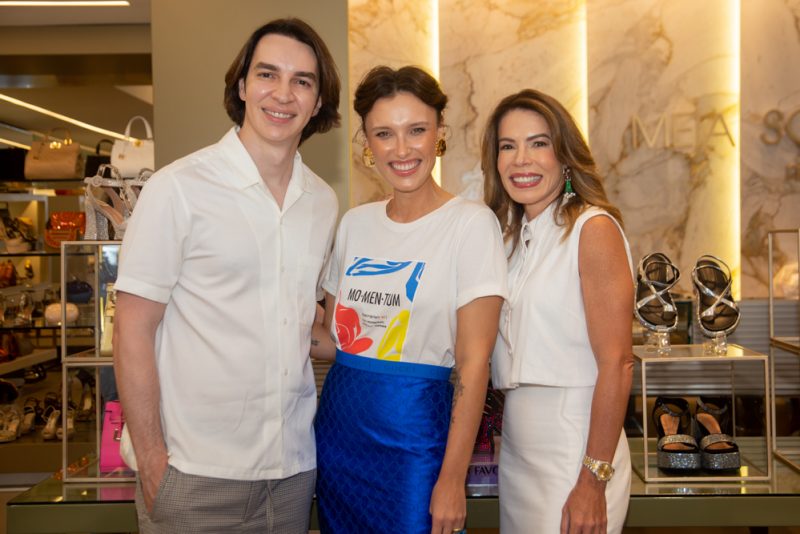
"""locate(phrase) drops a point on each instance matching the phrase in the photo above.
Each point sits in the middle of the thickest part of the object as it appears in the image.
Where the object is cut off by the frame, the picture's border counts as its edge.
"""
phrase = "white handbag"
(131, 156)
(126, 451)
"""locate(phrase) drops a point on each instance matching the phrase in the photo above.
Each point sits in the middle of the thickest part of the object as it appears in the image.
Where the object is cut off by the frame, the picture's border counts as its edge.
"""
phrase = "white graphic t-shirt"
(398, 285)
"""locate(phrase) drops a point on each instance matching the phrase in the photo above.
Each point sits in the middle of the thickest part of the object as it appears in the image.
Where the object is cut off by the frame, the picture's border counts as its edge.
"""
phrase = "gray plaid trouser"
(190, 503)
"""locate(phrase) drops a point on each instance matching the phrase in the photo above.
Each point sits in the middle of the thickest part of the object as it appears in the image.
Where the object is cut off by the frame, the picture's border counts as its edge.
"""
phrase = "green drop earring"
(568, 191)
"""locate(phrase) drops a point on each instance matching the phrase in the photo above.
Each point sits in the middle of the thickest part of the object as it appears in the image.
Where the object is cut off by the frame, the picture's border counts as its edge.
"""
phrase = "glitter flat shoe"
(677, 449)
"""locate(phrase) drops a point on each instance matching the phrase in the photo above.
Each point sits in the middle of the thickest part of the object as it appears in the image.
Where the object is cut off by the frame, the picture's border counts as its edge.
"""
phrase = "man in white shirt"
(217, 287)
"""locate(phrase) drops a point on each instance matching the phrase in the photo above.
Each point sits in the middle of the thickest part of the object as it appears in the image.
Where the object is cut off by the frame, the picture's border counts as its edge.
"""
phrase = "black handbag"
(93, 161)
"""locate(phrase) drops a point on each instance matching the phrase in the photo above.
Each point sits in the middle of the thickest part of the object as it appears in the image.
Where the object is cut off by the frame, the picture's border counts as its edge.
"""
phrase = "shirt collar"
(245, 171)
(526, 232)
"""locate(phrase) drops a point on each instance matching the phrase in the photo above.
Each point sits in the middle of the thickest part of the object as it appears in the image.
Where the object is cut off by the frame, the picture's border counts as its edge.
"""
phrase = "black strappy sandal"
(654, 306)
(677, 449)
(719, 450)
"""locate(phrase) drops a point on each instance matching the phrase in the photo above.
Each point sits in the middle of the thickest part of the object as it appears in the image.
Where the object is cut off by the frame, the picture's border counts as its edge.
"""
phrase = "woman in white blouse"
(564, 351)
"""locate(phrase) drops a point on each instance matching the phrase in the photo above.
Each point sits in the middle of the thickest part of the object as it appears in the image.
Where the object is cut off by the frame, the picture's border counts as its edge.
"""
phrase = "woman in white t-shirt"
(564, 352)
(414, 291)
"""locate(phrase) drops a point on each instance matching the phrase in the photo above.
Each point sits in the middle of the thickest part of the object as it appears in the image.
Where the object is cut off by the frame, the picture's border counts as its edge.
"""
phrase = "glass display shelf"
(94, 263)
(39, 323)
(786, 338)
(58, 187)
(109, 507)
(30, 253)
(787, 343)
(739, 371)
(22, 362)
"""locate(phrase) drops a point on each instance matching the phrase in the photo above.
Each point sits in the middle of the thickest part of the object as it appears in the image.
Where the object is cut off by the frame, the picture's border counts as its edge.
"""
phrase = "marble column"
(664, 115)
(383, 32)
(770, 159)
(491, 49)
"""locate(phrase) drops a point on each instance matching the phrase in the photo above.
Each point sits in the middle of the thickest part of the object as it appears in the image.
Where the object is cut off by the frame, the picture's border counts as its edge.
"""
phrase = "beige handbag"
(54, 158)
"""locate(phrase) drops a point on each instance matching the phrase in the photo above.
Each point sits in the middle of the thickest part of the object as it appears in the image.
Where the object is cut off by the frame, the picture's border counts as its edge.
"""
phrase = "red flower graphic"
(348, 328)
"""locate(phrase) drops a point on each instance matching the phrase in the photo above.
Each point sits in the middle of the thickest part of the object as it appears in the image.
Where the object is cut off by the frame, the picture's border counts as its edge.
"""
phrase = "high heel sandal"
(70, 425)
(677, 448)
(654, 307)
(9, 425)
(52, 416)
(100, 190)
(29, 411)
(86, 410)
(133, 187)
(719, 450)
(491, 422)
(715, 310)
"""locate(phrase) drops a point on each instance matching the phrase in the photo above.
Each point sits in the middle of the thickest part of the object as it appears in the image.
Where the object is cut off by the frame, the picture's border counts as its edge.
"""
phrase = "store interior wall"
(82, 71)
(691, 109)
(663, 72)
(194, 43)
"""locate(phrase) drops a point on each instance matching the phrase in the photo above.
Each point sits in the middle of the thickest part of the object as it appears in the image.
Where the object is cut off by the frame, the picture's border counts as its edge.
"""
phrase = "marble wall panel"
(383, 32)
(770, 140)
(663, 116)
(490, 49)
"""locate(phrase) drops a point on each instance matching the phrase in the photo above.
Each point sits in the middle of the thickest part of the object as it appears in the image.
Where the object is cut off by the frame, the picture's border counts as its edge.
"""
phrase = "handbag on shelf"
(93, 161)
(113, 421)
(126, 449)
(132, 155)
(54, 159)
(64, 226)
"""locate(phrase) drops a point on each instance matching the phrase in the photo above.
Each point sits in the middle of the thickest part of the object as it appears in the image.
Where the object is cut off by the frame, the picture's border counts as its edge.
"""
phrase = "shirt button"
(285, 372)
(285, 321)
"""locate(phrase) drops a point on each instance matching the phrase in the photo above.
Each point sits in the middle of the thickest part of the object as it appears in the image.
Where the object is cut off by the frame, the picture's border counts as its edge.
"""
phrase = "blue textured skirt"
(381, 432)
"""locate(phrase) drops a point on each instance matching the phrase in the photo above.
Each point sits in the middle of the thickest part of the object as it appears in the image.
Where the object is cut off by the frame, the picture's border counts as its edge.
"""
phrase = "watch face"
(604, 471)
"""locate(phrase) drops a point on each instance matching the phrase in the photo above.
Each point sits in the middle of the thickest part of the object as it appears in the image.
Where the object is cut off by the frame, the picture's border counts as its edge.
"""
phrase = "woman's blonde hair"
(571, 151)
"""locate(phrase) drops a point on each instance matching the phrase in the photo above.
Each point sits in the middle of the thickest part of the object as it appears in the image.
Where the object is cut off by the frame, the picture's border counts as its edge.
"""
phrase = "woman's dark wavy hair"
(570, 149)
(329, 85)
(382, 81)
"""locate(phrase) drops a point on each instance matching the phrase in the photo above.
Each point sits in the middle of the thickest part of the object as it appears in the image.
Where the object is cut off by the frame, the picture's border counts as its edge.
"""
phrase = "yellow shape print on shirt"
(391, 345)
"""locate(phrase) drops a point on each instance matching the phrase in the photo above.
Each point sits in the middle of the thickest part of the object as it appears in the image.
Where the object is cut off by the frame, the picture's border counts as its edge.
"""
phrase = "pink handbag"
(113, 420)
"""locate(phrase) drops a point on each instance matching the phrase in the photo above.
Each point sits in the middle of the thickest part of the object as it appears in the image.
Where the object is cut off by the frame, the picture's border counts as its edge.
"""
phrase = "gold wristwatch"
(603, 471)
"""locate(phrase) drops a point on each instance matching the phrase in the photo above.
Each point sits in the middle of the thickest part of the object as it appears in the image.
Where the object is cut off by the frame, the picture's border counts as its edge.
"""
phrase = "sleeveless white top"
(543, 337)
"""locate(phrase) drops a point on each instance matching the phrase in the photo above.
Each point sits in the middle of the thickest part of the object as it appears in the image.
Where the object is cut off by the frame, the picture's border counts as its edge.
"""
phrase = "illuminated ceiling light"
(14, 143)
(66, 3)
(64, 118)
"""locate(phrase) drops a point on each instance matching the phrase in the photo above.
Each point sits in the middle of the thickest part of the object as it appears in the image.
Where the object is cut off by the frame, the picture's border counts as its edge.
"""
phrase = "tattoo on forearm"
(314, 342)
(458, 390)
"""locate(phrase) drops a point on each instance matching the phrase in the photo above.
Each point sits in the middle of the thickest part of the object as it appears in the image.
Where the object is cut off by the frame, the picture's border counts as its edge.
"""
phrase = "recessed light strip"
(64, 118)
(14, 143)
(66, 3)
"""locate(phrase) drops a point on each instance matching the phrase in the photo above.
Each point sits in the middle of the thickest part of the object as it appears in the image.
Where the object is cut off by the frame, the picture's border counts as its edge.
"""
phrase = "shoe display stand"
(22, 302)
(786, 449)
(12, 319)
(739, 371)
(95, 263)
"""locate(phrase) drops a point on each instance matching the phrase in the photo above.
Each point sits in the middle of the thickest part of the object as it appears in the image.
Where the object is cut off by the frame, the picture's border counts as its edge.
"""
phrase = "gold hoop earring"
(441, 147)
(367, 157)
